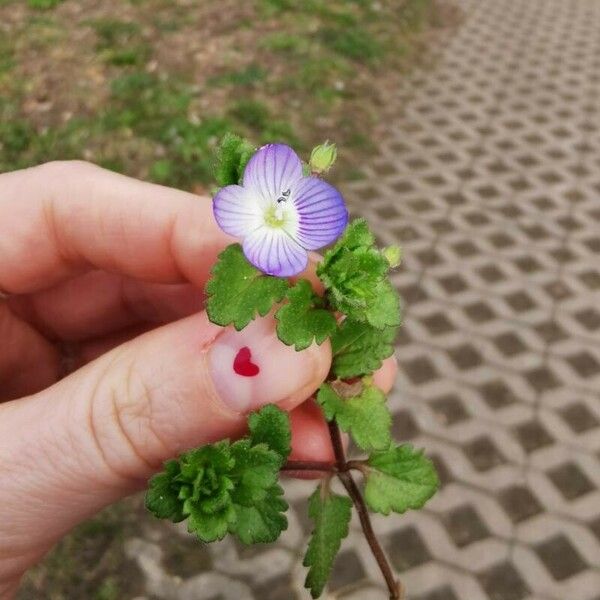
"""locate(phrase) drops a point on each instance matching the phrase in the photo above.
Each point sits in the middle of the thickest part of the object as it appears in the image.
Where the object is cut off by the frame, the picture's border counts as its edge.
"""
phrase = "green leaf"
(210, 526)
(162, 497)
(271, 426)
(238, 291)
(231, 158)
(385, 310)
(365, 416)
(263, 521)
(255, 471)
(354, 273)
(331, 516)
(223, 488)
(301, 320)
(358, 348)
(398, 479)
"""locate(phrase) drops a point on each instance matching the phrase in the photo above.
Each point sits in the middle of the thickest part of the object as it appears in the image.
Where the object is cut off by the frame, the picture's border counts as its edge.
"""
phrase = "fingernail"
(252, 367)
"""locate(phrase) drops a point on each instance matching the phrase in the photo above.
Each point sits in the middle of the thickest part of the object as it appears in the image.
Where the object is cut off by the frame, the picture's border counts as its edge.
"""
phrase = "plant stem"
(308, 465)
(347, 480)
(365, 522)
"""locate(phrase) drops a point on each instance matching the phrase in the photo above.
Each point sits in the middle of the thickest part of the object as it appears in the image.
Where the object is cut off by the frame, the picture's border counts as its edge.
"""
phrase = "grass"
(149, 93)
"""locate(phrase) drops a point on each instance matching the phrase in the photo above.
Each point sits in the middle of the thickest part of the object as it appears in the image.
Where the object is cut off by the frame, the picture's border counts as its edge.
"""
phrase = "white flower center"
(281, 213)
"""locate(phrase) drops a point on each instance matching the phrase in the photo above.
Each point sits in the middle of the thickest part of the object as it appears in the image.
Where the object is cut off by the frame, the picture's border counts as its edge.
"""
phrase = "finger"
(99, 433)
(385, 376)
(310, 438)
(90, 350)
(63, 218)
(27, 361)
(99, 303)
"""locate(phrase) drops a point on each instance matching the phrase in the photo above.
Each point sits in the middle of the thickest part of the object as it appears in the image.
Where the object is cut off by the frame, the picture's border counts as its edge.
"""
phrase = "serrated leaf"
(331, 515)
(301, 320)
(238, 291)
(271, 426)
(255, 471)
(359, 348)
(354, 273)
(385, 310)
(162, 497)
(365, 416)
(223, 488)
(231, 158)
(264, 521)
(398, 479)
(210, 527)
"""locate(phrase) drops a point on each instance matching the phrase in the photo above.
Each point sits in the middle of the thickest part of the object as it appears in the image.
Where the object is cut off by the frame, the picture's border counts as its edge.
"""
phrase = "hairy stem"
(309, 465)
(343, 466)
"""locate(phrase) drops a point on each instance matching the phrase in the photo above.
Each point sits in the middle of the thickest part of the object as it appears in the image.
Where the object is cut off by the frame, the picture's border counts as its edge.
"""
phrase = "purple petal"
(272, 170)
(274, 252)
(322, 214)
(236, 212)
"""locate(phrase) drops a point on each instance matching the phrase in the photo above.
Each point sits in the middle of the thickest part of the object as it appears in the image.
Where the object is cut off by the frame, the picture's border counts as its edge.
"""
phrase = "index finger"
(62, 218)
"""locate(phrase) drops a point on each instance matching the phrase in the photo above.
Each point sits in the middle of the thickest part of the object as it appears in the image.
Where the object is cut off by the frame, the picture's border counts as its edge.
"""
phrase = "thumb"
(98, 434)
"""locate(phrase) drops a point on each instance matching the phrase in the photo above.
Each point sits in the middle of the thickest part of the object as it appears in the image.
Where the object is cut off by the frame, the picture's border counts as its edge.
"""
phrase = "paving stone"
(532, 435)
(449, 409)
(420, 370)
(497, 394)
(519, 503)
(465, 357)
(442, 593)
(560, 557)
(503, 582)
(465, 526)
(404, 426)
(579, 418)
(348, 570)
(542, 379)
(479, 312)
(277, 588)
(510, 344)
(570, 480)
(484, 455)
(407, 549)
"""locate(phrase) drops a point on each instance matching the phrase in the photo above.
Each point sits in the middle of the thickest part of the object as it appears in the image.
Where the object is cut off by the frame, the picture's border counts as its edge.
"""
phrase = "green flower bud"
(322, 158)
(393, 254)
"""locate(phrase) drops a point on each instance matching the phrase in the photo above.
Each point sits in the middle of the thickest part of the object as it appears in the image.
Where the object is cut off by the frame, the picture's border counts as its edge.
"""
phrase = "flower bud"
(322, 158)
(393, 254)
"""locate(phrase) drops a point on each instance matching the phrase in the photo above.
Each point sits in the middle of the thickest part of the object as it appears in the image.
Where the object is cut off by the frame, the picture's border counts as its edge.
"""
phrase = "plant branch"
(347, 480)
(393, 585)
(309, 465)
(338, 445)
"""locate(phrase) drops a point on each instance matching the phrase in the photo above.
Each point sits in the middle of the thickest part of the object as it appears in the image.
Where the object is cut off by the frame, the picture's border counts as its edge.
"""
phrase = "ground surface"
(147, 87)
(489, 175)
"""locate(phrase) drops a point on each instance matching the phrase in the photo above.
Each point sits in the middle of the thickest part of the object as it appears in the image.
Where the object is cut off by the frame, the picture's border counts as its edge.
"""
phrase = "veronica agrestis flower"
(279, 213)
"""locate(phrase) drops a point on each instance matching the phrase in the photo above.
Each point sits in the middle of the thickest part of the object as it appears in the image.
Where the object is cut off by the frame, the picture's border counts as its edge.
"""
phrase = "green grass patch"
(247, 76)
(354, 43)
(43, 4)
(120, 43)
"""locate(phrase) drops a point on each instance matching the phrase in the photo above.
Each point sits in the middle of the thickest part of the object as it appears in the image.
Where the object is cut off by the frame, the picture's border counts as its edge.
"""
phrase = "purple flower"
(278, 213)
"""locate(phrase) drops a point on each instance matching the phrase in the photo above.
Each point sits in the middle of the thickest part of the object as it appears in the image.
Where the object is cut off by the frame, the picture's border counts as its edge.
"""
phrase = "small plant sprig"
(280, 208)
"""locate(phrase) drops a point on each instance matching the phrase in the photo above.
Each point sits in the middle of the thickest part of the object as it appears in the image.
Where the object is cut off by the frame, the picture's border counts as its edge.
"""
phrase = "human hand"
(108, 363)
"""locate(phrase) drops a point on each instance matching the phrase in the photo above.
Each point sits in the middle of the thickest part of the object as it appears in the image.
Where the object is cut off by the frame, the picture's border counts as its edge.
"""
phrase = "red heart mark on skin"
(243, 365)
